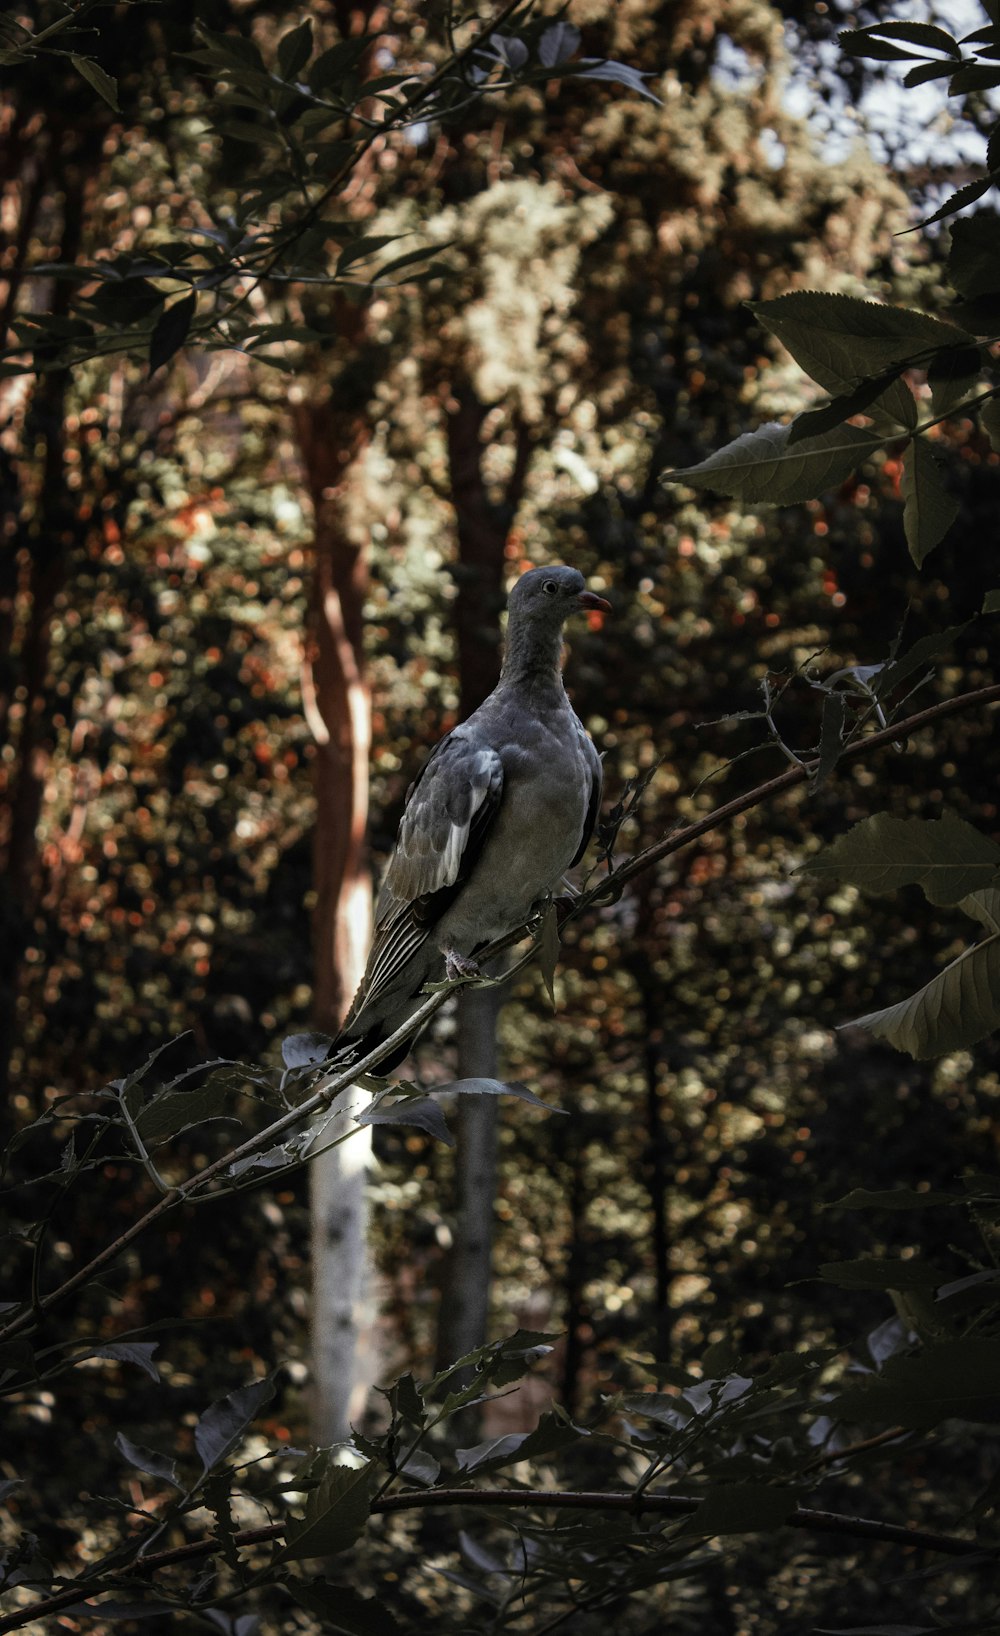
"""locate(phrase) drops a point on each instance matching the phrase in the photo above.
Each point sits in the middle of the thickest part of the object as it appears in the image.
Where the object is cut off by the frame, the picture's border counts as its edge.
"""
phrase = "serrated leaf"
(880, 1272)
(98, 78)
(928, 508)
(955, 1379)
(171, 331)
(974, 257)
(494, 1087)
(841, 341)
(147, 1460)
(550, 1436)
(957, 1008)
(956, 201)
(172, 1112)
(953, 377)
(946, 857)
(335, 1515)
(420, 1111)
(862, 42)
(138, 1352)
(303, 1050)
(927, 35)
(761, 469)
(927, 71)
(974, 77)
(814, 421)
(742, 1508)
(223, 1425)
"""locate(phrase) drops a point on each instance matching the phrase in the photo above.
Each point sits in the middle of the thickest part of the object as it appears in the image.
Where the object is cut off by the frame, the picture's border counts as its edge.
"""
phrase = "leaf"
(831, 738)
(840, 340)
(974, 257)
(841, 409)
(147, 1460)
(896, 1198)
(953, 376)
(956, 201)
(363, 249)
(550, 1436)
(96, 76)
(621, 73)
(742, 1508)
(957, 1008)
(946, 857)
(170, 331)
(557, 44)
(760, 468)
(954, 1379)
(989, 416)
(548, 951)
(336, 1512)
(421, 1111)
(939, 70)
(494, 1087)
(171, 1112)
(921, 653)
(222, 1426)
(928, 510)
(991, 604)
(974, 77)
(341, 1608)
(863, 42)
(927, 35)
(137, 1352)
(303, 1050)
(294, 50)
(880, 1272)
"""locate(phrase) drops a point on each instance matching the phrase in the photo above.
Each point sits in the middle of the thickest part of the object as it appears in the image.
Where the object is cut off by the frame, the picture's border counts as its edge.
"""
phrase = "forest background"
(258, 528)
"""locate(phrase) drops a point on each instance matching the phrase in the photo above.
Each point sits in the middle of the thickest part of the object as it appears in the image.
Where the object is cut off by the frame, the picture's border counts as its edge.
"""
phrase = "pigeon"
(504, 805)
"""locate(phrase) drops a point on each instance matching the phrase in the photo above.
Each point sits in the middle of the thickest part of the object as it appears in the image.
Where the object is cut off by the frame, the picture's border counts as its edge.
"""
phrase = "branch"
(523, 1499)
(610, 886)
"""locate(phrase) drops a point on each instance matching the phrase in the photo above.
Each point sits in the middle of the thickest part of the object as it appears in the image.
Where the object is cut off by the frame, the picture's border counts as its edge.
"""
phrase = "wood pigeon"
(504, 805)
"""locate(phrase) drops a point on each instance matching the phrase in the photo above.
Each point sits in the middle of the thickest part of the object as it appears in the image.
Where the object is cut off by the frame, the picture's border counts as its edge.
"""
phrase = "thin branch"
(532, 1499)
(609, 884)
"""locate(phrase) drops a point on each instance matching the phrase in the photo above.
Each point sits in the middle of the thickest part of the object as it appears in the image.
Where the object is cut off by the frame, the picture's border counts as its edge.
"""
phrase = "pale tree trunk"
(337, 702)
(483, 526)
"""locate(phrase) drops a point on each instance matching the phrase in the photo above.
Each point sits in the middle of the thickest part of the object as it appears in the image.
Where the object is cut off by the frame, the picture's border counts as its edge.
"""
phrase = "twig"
(531, 1499)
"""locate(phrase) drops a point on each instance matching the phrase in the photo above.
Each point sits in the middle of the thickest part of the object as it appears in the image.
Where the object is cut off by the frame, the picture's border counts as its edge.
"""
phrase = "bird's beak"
(589, 599)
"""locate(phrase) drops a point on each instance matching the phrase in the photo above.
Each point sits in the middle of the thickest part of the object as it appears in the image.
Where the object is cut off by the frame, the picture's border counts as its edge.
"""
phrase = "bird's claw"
(459, 965)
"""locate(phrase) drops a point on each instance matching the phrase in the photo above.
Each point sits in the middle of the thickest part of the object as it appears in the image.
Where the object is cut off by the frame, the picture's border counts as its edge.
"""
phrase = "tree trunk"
(337, 702)
(482, 527)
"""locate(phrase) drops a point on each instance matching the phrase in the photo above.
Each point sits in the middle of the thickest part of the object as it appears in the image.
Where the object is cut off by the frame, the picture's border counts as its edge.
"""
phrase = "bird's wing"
(449, 810)
(596, 767)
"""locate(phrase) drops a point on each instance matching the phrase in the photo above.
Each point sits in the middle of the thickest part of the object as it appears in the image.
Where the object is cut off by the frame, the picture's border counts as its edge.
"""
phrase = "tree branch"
(530, 1499)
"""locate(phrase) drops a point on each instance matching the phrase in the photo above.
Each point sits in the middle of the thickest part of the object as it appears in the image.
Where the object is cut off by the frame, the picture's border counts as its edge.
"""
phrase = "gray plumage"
(505, 804)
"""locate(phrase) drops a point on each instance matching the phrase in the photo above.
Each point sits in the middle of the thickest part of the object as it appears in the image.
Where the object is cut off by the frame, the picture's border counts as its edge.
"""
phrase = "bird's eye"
(550, 588)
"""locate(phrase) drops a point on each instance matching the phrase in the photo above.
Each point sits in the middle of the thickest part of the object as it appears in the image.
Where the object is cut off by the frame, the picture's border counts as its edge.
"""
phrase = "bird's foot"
(459, 965)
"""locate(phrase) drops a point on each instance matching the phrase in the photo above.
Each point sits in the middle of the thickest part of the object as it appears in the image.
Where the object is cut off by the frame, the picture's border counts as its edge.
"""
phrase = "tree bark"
(337, 702)
(483, 525)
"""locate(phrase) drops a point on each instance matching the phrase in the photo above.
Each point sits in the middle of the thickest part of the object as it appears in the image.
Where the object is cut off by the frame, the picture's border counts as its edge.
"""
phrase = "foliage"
(769, 1422)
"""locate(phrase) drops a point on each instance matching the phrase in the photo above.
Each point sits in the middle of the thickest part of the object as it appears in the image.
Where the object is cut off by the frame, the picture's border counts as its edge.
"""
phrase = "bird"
(505, 804)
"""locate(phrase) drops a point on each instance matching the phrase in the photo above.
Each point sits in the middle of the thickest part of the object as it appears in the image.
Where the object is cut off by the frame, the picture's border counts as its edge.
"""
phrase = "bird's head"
(549, 595)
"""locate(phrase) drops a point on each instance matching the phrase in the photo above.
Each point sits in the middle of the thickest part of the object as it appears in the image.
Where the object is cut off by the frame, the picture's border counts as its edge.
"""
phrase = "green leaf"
(974, 257)
(550, 1436)
(880, 1272)
(957, 1379)
(171, 330)
(946, 857)
(295, 49)
(742, 1508)
(174, 1111)
(223, 1425)
(341, 1608)
(147, 1460)
(928, 509)
(336, 1512)
(957, 201)
(957, 1008)
(896, 1198)
(953, 377)
(840, 340)
(96, 76)
(761, 469)
(364, 249)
